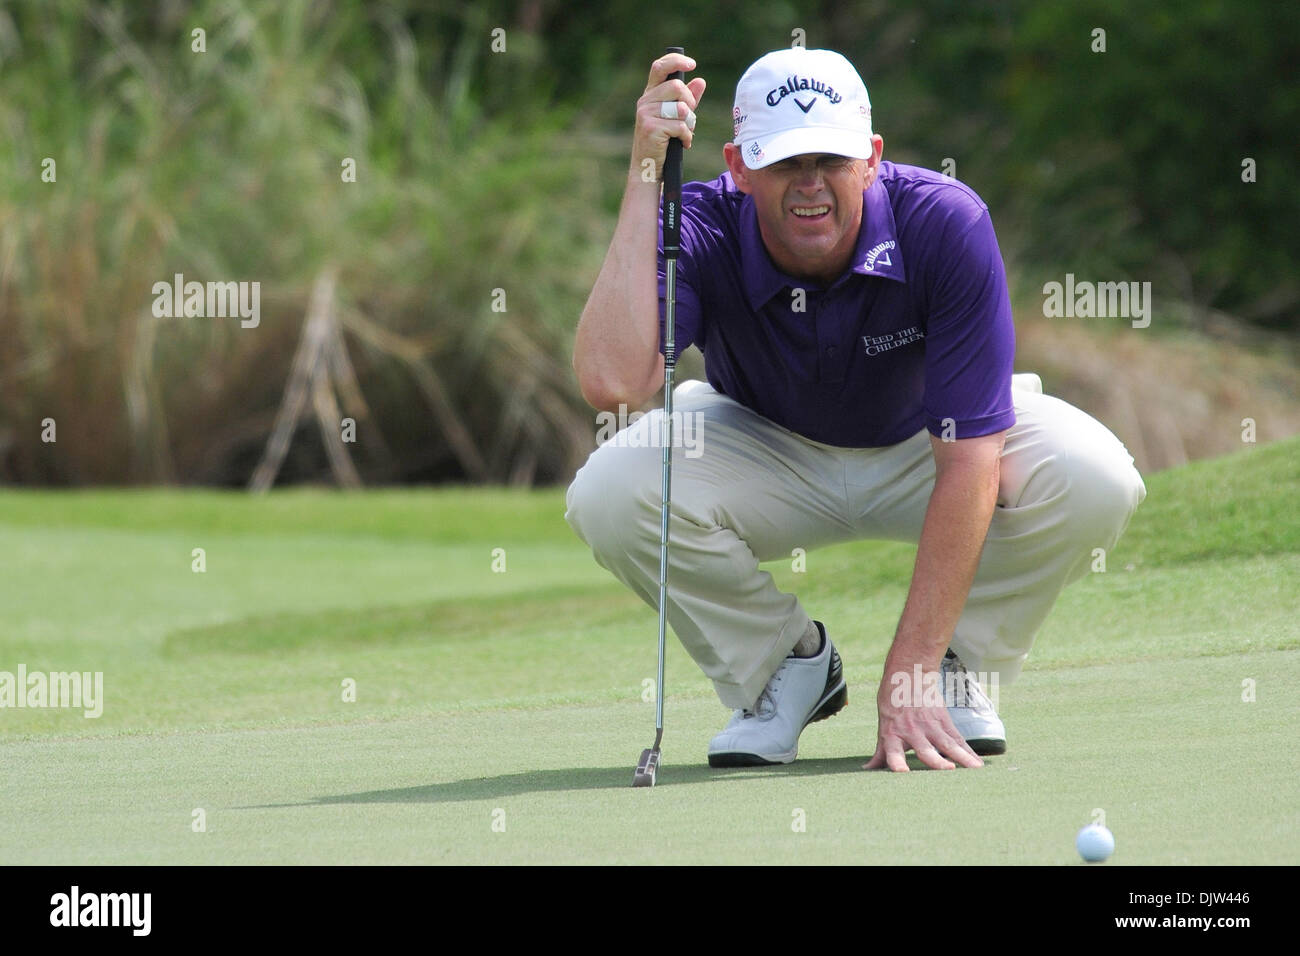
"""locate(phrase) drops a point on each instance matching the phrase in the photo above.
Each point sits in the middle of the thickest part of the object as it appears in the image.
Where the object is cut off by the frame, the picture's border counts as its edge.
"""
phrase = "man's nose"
(809, 178)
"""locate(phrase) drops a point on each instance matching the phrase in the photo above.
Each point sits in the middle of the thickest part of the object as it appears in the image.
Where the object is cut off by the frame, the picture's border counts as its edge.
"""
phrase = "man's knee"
(1072, 465)
(613, 497)
(1092, 492)
(1105, 491)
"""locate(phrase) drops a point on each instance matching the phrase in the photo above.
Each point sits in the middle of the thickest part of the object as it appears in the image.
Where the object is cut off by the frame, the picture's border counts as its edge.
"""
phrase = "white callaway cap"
(801, 101)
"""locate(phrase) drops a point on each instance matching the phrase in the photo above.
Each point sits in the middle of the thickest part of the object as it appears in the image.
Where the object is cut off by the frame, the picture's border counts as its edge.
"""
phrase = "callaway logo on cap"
(801, 101)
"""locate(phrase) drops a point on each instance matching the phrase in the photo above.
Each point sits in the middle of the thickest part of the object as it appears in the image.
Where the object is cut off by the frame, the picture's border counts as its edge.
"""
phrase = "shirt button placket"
(830, 352)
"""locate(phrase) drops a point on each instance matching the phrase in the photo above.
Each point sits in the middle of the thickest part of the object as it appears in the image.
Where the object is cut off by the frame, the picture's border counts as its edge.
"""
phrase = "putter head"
(646, 768)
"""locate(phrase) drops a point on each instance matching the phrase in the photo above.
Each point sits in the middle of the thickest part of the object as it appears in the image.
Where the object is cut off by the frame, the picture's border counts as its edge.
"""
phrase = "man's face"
(809, 208)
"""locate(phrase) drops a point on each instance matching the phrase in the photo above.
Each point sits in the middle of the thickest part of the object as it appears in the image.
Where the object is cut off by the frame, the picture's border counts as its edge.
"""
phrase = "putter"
(647, 767)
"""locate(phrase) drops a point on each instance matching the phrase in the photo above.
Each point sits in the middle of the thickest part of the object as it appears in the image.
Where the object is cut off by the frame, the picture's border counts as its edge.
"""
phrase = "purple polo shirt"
(917, 331)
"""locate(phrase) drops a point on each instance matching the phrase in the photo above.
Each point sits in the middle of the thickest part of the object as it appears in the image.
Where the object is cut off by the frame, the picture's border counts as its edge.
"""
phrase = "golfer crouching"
(858, 343)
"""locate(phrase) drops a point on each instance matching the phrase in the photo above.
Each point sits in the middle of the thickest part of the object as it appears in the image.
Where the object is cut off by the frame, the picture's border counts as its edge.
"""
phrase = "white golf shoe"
(803, 690)
(971, 711)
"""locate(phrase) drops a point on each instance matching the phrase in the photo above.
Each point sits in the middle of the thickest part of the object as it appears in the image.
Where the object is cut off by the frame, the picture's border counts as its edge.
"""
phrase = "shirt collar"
(876, 252)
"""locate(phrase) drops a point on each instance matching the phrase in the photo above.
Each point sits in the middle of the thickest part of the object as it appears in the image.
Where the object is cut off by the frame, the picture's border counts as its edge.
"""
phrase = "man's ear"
(873, 164)
(736, 166)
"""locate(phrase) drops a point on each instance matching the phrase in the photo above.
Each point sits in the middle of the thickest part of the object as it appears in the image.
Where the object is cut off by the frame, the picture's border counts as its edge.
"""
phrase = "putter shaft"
(670, 364)
(672, 197)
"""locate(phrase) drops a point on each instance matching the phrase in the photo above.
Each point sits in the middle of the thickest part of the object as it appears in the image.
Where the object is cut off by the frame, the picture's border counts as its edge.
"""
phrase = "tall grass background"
(481, 170)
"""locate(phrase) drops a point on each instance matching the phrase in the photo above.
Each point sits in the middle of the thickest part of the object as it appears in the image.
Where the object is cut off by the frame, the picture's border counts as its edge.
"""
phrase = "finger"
(954, 747)
(960, 751)
(672, 129)
(939, 745)
(932, 758)
(896, 754)
(676, 109)
(667, 65)
(672, 91)
(877, 759)
(957, 748)
(653, 120)
(890, 754)
(690, 93)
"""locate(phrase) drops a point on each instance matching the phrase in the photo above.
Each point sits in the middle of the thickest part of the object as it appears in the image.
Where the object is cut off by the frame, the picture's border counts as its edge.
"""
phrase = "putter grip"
(672, 202)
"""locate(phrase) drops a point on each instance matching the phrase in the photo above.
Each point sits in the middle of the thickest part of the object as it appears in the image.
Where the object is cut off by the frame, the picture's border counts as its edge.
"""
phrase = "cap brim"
(808, 139)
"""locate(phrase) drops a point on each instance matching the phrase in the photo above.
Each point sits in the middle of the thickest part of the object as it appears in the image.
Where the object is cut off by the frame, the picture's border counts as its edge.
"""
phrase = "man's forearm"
(952, 538)
(616, 349)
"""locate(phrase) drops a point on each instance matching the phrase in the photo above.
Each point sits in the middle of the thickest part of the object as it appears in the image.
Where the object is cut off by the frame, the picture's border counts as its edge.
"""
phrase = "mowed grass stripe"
(442, 515)
(1138, 741)
(527, 651)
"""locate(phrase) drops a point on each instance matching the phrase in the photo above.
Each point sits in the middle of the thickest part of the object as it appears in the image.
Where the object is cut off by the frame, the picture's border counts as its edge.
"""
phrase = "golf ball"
(1095, 843)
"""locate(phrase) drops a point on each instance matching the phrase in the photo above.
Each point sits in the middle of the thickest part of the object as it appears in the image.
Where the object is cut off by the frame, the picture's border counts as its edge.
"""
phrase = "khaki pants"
(746, 490)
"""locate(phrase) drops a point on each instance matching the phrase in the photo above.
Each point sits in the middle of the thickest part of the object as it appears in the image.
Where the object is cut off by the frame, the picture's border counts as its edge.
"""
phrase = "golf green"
(446, 676)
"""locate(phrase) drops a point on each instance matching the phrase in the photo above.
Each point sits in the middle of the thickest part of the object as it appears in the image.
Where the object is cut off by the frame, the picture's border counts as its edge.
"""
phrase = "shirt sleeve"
(970, 340)
(686, 308)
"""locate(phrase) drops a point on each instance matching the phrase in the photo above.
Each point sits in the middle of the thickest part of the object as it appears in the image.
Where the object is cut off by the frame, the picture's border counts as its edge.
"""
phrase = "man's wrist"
(910, 649)
(643, 173)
